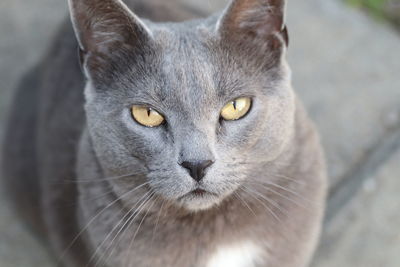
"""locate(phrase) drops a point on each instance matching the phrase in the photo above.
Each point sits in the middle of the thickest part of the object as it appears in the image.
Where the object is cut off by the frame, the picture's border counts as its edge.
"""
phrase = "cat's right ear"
(255, 26)
(106, 30)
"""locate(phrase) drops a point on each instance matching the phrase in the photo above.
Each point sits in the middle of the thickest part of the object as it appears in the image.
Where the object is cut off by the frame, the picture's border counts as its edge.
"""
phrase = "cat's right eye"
(236, 109)
(147, 116)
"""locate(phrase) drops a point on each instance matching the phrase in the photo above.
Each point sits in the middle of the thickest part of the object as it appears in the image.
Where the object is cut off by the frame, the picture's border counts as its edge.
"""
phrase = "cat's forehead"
(187, 71)
(187, 81)
(193, 61)
(185, 49)
(186, 68)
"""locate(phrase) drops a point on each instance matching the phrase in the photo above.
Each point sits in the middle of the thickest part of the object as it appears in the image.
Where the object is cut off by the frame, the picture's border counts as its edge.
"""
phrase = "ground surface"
(346, 69)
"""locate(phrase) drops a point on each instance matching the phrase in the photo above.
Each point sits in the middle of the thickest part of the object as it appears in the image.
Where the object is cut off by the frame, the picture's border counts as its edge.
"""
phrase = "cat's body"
(55, 162)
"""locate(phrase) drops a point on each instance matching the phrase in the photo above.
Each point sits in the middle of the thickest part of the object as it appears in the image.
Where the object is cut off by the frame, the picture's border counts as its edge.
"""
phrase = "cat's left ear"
(106, 29)
(258, 24)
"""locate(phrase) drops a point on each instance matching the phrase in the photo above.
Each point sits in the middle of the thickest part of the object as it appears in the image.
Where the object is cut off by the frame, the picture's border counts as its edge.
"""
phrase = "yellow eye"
(236, 109)
(147, 116)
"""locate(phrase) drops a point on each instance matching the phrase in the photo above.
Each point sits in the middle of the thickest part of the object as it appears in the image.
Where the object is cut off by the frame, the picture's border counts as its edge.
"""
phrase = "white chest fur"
(243, 254)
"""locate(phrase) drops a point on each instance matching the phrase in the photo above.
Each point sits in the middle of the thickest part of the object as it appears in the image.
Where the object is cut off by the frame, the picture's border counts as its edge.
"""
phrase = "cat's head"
(193, 109)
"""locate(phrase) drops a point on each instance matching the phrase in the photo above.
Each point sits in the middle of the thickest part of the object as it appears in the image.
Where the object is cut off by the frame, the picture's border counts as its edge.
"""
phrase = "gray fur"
(268, 179)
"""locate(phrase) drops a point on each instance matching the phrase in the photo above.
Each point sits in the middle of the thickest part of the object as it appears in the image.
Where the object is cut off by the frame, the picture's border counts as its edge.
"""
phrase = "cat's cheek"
(278, 128)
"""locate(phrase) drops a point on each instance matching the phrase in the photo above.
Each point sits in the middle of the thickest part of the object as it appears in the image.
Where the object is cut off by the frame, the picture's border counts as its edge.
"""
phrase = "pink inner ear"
(254, 17)
(255, 29)
(102, 24)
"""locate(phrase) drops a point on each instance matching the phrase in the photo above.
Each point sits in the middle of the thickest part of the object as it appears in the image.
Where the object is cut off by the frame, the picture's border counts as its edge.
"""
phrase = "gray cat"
(183, 144)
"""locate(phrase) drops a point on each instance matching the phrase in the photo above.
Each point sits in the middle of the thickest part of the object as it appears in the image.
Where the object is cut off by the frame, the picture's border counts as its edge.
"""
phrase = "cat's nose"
(197, 168)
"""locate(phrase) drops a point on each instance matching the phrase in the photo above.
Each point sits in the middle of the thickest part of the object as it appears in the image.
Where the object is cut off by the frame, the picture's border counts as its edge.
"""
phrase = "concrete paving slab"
(26, 28)
(367, 232)
(346, 68)
(18, 248)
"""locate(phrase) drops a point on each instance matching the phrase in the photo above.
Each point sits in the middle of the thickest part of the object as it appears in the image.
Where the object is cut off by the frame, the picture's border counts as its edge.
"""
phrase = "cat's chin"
(199, 200)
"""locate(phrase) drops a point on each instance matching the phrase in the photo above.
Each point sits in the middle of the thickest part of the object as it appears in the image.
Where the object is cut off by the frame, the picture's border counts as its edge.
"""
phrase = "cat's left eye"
(236, 109)
(147, 116)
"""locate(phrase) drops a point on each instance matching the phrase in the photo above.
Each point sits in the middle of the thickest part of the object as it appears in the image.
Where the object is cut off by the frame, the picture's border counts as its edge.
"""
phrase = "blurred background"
(345, 56)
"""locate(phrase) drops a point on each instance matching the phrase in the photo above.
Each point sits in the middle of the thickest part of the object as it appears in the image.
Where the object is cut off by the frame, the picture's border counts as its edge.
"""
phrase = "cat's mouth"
(199, 193)
(199, 199)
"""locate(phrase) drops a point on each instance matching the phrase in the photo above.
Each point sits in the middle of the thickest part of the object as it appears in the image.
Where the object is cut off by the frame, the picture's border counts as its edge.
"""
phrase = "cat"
(177, 143)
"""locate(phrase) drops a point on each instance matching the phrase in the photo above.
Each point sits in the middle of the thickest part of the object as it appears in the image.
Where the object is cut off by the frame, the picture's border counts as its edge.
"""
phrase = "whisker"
(289, 179)
(124, 228)
(289, 191)
(71, 204)
(285, 197)
(128, 214)
(265, 206)
(272, 202)
(93, 219)
(92, 180)
(156, 225)
(248, 162)
(245, 203)
(280, 187)
(140, 224)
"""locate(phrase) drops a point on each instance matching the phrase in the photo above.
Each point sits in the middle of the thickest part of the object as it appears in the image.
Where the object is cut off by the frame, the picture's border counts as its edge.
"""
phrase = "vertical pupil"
(234, 104)
(148, 112)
